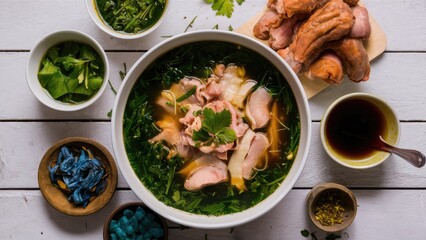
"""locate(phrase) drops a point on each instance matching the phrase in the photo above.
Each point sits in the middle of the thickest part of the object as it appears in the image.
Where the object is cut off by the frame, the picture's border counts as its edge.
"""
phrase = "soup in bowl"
(211, 129)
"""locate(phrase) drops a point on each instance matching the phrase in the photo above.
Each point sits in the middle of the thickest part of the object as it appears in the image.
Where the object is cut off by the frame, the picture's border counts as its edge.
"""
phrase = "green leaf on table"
(222, 7)
(305, 233)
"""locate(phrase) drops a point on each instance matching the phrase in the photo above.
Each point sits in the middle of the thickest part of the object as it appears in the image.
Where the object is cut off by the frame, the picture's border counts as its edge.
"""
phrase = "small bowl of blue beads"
(135, 221)
(77, 176)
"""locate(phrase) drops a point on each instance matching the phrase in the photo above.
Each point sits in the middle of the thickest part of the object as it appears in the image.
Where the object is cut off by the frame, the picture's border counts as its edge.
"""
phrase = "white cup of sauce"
(351, 123)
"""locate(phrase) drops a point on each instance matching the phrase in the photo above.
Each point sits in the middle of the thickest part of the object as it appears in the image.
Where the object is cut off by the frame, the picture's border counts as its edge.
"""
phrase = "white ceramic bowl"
(38, 53)
(391, 133)
(179, 216)
(92, 9)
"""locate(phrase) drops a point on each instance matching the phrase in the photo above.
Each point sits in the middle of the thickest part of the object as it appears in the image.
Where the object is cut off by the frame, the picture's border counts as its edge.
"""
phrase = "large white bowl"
(179, 216)
(39, 52)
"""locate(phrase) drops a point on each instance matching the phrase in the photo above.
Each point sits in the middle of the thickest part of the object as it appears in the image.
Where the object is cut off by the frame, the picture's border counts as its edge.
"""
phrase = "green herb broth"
(159, 174)
(130, 16)
(62, 66)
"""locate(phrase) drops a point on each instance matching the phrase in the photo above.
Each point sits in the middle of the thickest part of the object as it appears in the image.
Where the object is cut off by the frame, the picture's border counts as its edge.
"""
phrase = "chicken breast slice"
(258, 147)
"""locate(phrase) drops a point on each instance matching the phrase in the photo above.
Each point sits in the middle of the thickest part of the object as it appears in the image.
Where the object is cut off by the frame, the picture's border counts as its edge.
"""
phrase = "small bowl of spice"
(332, 207)
(77, 176)
(128, 19)
(67, 70)
(135, 221)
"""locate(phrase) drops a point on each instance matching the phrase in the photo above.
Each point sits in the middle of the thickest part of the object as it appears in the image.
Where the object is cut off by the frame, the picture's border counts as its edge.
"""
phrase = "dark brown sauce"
(353, 127)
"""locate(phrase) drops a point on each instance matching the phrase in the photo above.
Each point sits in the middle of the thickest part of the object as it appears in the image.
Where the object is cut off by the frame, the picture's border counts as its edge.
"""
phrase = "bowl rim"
(48, 190)
(129, 205)
(38, 52)
(94, 14)
(204, 221)
(357, 95)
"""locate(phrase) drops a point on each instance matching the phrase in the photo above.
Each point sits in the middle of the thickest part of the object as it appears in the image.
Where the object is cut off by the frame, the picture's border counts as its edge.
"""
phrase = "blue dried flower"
(82, 175)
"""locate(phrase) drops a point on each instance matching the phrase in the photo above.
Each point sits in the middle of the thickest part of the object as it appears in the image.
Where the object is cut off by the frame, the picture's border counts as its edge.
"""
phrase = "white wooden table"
(391, 197)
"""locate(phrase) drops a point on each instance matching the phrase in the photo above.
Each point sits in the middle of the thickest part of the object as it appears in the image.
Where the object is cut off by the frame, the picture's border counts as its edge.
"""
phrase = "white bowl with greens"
(129, 19)
(67, 70)
(187, 109)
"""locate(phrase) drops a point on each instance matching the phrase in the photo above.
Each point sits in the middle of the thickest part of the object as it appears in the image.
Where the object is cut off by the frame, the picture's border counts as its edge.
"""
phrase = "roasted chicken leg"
(331, 22)
(353, 56)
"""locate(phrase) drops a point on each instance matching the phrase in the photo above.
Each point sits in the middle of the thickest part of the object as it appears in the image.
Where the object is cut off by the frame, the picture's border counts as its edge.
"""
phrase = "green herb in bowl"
(130, 16)
(71, 72)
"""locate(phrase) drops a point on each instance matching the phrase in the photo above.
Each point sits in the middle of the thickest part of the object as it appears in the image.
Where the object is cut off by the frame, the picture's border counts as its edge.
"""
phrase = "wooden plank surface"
(394, 77)
(402, 21)
(23, 145)
(29, 216)
(391, 197)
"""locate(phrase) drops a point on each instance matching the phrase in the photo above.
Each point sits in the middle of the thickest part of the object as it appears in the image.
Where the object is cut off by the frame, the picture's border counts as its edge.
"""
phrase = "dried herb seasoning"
(328, 210)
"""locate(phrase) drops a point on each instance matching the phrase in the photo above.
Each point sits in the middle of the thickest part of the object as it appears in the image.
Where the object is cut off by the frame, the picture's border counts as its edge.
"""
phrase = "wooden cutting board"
(375, 45)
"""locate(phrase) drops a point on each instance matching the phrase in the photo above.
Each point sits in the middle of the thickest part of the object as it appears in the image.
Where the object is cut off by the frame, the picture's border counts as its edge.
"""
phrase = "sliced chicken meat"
(281, 36)
(257, 108)
(258, 147)
(213, 90)
(243, 92)
(362, 27)
(204, 171)
(237, 158)
(231, 81)
(170, 131)
(270, 19)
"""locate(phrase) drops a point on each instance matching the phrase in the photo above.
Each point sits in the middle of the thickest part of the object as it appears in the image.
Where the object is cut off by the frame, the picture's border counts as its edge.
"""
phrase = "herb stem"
(190, 24)
(112, 88)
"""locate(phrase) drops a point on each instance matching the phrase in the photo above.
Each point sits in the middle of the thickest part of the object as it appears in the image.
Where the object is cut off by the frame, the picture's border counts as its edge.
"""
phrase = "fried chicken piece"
(362, 27)
(327, 67)
(353, 56)
(289, 8)
(351, 2)
(269, 20)
(331, 22)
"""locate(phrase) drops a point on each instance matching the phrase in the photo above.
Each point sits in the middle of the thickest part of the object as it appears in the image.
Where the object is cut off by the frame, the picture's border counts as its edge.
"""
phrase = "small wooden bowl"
(117, 213)
(347, 201)
(56, 197)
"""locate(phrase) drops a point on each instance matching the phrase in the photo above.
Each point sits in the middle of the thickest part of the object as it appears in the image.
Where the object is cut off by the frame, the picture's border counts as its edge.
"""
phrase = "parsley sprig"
(215, 128)
(223, 7)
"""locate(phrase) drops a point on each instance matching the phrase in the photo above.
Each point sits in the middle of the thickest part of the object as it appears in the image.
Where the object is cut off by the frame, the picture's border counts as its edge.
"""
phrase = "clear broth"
(353, 126)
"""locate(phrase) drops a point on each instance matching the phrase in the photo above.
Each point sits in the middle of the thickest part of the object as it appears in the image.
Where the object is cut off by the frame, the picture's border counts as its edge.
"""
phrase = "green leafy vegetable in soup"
(211, 128)
(130, 16)
(71, 72)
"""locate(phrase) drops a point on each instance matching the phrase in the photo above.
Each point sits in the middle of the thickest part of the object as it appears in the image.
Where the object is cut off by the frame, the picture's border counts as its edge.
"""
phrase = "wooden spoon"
(414, 157)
